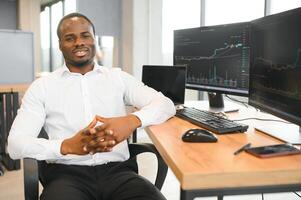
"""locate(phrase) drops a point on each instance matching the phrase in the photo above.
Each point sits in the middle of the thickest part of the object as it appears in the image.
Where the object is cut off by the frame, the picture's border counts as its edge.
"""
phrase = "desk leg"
(183, 195)
(186, 195)
(190, 195)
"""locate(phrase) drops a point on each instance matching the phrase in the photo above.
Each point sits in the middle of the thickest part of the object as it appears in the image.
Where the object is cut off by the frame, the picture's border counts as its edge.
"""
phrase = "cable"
(233, 99)
(297, 194)
(242, 102)
(262, 197)
(261, 119)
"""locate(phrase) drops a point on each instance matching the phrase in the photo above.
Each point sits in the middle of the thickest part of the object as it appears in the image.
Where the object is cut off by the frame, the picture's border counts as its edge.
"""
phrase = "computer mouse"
(198, 135)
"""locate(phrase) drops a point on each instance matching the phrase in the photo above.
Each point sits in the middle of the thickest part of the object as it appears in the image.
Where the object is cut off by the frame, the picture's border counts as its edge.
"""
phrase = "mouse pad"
(274, 150)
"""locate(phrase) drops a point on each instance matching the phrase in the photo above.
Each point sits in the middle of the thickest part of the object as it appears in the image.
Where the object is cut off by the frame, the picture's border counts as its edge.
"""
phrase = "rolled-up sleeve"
(154, 107)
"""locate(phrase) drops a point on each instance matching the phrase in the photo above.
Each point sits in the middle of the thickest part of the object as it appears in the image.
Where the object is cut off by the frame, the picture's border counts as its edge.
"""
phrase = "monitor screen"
(275, 81)
(217, 57)
(170, 80)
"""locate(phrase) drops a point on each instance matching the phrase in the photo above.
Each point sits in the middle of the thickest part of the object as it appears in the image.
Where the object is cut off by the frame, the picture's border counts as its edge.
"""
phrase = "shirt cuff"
(55, 148)
(143, 118)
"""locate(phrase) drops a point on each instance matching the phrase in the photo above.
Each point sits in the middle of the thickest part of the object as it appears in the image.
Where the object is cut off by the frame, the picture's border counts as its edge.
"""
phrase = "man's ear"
(60, 45)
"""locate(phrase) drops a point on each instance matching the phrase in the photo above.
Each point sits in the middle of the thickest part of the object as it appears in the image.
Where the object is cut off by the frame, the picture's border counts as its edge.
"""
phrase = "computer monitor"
(170, 80)
(217, 59)
(275, 72)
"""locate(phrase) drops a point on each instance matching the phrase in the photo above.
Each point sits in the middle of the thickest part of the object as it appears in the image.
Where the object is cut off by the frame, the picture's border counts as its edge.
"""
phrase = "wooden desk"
(14, 88)
(211, 169)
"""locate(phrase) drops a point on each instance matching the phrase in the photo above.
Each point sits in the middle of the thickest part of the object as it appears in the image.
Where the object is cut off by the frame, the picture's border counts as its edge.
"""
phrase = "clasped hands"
(101, 138)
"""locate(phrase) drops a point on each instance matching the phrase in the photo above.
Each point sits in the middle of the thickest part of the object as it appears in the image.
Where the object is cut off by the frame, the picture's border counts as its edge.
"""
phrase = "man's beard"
(82, 64)
(79, 64)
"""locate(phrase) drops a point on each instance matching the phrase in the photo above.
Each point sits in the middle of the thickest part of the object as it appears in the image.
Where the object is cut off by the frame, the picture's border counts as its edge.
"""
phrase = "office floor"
(11, 184)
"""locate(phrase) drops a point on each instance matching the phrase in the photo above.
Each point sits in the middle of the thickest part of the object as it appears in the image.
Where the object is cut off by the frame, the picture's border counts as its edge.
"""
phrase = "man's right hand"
(79, 143)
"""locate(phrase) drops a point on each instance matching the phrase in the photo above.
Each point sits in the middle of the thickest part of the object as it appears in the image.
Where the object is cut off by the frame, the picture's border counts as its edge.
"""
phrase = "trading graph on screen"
(217, 57)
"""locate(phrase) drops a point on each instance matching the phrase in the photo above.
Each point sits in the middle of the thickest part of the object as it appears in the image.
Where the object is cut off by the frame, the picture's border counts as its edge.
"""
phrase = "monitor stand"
(217, 104)
(289, 133)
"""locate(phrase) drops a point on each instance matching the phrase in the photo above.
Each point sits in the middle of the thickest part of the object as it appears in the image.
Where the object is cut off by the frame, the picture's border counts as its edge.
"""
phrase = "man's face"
(77, 42)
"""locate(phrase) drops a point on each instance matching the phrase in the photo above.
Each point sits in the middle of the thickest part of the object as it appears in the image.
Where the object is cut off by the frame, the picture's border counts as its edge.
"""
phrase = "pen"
(242, 148)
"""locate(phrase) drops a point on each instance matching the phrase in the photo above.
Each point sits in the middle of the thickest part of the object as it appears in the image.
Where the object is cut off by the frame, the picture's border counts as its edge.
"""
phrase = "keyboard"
(210, 121)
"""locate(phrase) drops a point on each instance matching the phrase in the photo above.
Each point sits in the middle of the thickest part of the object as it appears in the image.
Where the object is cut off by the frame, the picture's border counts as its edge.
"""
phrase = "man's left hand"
(118, 128)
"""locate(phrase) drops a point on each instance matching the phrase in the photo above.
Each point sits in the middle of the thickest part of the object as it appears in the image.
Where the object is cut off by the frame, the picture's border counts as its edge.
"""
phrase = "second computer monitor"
(275, 81)
(170, 80)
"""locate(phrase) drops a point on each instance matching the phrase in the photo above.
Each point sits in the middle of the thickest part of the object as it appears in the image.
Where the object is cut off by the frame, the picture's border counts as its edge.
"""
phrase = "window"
(69, 6)
(231, 11)
(106, 49)
(277, 6)
(51, 57)
(56, 15)
(45, 39)
(178, 14)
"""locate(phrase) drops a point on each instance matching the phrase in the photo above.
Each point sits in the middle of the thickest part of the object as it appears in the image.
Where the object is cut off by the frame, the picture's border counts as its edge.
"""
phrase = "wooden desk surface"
(213, 165)
(14, 88)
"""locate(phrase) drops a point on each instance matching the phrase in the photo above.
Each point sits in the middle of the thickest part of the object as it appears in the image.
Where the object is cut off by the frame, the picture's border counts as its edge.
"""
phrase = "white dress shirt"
(65, 102)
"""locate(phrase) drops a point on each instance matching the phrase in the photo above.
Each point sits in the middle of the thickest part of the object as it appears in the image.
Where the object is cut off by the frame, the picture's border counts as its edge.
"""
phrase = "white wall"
(29, 20)
(144, 40)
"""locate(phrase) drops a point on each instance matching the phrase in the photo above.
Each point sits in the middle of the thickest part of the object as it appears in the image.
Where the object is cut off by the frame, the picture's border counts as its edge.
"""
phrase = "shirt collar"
(64, 69)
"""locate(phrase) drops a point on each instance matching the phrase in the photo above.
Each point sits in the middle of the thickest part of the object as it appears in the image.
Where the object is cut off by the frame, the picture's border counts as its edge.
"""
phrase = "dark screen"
(275, 81)
(170, 80)
(217, 57)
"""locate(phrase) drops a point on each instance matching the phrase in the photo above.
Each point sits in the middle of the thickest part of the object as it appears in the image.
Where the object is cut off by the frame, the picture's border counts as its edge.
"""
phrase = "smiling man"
(78, 50)
(81, 106)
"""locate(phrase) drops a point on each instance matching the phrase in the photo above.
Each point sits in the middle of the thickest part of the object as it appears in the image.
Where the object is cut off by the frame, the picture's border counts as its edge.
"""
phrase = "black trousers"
(112, 181)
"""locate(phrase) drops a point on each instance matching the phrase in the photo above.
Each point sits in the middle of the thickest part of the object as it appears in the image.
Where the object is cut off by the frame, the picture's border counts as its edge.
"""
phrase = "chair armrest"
(31, 179)
(137, 148)
(1, 170)
(31, 174)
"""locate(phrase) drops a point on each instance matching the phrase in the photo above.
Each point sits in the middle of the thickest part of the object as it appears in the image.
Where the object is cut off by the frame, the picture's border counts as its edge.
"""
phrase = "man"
(82, 108)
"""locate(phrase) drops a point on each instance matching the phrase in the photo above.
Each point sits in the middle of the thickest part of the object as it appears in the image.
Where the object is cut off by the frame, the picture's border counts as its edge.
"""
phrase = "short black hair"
(71, 15)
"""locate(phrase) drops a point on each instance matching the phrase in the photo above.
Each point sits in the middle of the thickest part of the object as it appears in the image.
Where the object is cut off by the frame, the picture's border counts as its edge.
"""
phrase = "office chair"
(31, 169)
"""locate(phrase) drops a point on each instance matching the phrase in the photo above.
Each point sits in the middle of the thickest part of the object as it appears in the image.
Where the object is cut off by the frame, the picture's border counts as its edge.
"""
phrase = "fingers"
(99, 130)
(88, 131)
(109, 132)
(98, 138)
(103, 130)
(101, 119)
(93, 123)
(95, 120)
(100, 145)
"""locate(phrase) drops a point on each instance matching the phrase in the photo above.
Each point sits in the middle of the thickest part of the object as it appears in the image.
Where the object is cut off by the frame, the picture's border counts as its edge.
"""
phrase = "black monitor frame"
(170, 80)
(274, 71)
(188, 43)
